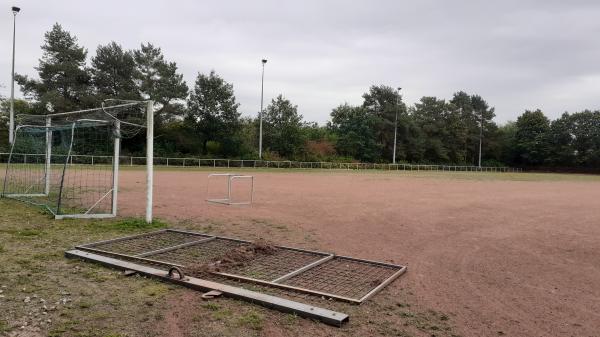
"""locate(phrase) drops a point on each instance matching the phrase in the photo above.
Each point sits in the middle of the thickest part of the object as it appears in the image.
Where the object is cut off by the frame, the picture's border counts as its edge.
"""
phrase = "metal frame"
(145, 257)
(115, 162)
(303, 310)
(230, 178)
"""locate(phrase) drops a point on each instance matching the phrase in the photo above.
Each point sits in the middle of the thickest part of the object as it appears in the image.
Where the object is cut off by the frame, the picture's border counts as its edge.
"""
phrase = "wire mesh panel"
(146, 243)
(272, 266)
(310, 272)
(343, 277)
(199, 254)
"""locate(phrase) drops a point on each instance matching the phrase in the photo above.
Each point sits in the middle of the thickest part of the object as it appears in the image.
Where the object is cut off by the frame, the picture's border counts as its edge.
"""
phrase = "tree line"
(205, 119)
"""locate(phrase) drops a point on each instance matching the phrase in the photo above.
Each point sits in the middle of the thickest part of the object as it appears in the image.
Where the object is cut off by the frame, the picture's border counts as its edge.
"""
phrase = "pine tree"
(64, 81)
(159, 80)
(113, 71)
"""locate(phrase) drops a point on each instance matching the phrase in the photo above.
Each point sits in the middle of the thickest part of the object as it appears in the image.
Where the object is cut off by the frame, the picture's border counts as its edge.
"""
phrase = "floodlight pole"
(396, 125)
(11, 125)
(260, 114)
(480, 137)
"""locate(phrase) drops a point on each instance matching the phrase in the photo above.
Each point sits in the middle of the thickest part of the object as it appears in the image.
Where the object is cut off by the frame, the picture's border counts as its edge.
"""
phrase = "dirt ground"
(501, 256)
(488, 255)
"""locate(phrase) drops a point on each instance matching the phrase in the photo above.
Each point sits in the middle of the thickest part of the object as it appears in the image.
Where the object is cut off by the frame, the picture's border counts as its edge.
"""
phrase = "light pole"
(260, 115)
(480, 137)
(396, 125)
(11, 123)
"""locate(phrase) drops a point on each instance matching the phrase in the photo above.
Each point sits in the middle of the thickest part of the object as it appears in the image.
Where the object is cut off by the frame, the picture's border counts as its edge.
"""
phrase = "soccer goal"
(228, 197)
(69, 162)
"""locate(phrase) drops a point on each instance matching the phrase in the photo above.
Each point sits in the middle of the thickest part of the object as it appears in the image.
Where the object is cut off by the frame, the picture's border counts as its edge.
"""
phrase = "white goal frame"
(231, 177)
(114, 191)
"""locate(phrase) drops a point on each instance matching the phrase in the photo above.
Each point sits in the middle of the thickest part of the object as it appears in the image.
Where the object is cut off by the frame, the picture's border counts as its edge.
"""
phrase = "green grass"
(253, 320)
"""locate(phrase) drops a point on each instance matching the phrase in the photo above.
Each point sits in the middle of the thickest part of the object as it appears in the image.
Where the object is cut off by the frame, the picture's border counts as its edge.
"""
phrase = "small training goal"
(69, 162)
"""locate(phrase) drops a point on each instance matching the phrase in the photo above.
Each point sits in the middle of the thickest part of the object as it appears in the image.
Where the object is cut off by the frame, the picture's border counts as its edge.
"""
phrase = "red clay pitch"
(521, 257)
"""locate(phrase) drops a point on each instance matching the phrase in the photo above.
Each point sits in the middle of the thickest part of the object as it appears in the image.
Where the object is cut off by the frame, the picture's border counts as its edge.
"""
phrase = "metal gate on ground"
(312, 272)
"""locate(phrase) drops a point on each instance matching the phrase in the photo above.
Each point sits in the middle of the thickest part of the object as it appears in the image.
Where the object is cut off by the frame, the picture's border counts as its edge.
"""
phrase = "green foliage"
(382, 103)
(159, 80)
(282, 128)
(213, 113)
(354, 127)
(113, 71)
(530, 137)
(64, 81)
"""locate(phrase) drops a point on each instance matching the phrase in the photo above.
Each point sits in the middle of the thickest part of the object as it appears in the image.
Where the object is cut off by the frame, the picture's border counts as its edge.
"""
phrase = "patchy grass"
(136, 224)
(41, 289)
(253, 320)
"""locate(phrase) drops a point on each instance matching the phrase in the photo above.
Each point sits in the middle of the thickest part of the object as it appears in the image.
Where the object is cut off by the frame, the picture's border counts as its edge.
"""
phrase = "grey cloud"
(517, 54)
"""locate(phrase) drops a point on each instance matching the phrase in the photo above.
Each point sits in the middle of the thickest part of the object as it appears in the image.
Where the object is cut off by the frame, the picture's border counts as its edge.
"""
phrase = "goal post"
(69, 162)
(149, 159)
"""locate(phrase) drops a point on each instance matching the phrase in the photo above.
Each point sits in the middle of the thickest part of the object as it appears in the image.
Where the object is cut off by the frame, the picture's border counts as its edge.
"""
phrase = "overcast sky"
(516, 54)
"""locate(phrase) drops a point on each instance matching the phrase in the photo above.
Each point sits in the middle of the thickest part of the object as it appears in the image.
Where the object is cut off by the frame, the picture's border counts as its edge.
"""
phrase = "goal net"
(69, 162)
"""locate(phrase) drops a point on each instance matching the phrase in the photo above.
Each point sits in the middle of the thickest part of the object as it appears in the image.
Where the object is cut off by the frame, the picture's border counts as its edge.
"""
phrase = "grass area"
(44, 294)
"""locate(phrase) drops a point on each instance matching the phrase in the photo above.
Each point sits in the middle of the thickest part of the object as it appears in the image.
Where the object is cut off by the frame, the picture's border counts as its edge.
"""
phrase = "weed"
(252, 319)
(135, 224)
(154, 289)
(4, 327)
(290, 319)
(222, 315)
(212, 306)
(27, 233)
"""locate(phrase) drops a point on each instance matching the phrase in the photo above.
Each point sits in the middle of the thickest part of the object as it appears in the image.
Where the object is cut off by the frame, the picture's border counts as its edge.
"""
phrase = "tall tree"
(113, 70)
(531, 144)
(474, 111)
(283, 128)
(586, 137)
(354, 128)
(431, 115)
(64, 81)
(159, 80)
(560, 137)
(213, 111)
(383, 102)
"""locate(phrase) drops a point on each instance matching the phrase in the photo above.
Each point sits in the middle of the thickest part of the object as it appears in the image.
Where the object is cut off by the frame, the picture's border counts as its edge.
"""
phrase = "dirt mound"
(236, 257)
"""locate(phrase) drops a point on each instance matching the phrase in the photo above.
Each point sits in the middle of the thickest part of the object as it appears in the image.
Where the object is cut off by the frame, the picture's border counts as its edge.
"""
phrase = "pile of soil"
(237, 257)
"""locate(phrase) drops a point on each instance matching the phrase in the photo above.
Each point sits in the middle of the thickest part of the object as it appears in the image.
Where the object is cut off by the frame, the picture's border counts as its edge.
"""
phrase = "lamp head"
(399, 88)
(264, 61)
(16, 10)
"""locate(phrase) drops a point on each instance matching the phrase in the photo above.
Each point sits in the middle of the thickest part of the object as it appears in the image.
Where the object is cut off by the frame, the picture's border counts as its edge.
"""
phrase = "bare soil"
(235, 257)
(498, 256)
